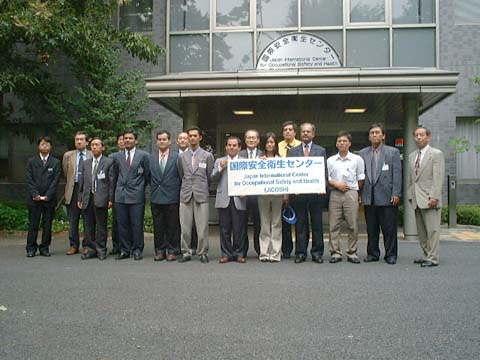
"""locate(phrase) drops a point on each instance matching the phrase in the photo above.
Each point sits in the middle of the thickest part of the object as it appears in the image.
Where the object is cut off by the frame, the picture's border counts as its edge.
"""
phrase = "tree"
(39, 37)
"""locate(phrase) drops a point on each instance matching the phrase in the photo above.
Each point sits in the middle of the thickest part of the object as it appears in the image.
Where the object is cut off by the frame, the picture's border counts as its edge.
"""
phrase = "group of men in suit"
(180, 182)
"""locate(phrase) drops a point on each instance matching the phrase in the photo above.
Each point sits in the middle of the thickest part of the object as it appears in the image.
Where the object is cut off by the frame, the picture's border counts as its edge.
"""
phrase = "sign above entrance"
(298, 51)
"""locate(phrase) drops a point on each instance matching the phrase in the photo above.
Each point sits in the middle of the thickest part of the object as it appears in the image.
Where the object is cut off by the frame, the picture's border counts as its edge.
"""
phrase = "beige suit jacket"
(69, 164)
(428, 183)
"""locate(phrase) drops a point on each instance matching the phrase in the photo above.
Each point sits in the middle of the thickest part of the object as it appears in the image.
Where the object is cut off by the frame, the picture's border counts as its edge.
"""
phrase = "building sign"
(297, 51)
(276, 176)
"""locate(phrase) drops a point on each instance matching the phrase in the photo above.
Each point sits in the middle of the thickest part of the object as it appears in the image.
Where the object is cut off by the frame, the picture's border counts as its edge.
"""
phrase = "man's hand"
(37, 198)
(432, 203)
(223, 163)
(79, 204)
(395, 200)
(342, 186)
(110, 204)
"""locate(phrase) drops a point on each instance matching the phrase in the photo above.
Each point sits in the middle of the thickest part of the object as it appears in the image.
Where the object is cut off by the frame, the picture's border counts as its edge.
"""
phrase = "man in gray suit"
(232, 212)
(115, 237)
(424, 191)
(194, 167)
(95, 197)
(252, 139)
(133, 174)
(381, 194)
(165, 198)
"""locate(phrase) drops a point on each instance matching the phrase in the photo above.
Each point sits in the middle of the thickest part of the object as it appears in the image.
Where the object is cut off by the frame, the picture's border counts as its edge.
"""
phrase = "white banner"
(291, 175)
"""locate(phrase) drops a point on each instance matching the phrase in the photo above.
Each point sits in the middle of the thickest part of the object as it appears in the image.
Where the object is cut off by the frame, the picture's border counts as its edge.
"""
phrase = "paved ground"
(65, 308)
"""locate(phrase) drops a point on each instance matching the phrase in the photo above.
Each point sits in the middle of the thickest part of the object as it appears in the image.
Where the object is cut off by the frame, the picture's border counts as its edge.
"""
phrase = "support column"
(190, 114)
(410, 109)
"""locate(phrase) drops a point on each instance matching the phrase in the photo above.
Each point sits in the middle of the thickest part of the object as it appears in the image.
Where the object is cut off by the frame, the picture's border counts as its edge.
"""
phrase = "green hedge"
(14, 216)
(466, 215)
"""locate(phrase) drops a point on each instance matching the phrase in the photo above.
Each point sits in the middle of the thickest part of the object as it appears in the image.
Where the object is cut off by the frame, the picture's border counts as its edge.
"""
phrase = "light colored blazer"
(222, 199)
(388, 178)
(429, 181)
(195, 181)
(69, 164)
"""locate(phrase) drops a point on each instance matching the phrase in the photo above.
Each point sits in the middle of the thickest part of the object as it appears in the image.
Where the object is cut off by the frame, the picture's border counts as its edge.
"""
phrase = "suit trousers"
(232, 222)
(115, 236)
(343, 205)
(253, 211)
(166, 227)
(307, 207)
(287, 242)
(382, 218)
(130, 226)
(191, 212)
(270, 209)
(428, 227)
(35, 214)
(74, 213)
(96, 224)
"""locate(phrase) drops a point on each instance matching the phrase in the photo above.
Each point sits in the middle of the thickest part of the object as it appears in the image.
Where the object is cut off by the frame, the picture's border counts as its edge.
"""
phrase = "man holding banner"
(305, 204)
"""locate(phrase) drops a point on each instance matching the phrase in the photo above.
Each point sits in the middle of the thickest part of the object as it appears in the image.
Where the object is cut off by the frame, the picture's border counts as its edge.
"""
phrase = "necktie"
(193, 160)
(162, 162)
(129, 161)
(94, 176)
(417, 162)
(44, 160)
(306, 151)
(80, 163)
(374, 163)
(251, 154)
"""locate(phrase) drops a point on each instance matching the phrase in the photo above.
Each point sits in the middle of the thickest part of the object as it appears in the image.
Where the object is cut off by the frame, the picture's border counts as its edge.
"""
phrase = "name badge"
(385, 167)
(140, 170)
(202, 165)
(50, 169)
(101, 176)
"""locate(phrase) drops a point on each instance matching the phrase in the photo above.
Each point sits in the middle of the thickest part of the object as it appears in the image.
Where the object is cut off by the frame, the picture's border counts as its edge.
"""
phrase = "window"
(420, 52)
(413, 11)
(277, 13)
(322, 12)
(189, 15)
(136, 15)
(468, 163)
(467, 12)
(365, 11)
(233, 13)
(232, 51)
(189, 53)
(367, 48)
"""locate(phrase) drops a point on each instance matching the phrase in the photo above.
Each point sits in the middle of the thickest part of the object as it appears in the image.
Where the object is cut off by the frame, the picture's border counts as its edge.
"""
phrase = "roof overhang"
(432, 85)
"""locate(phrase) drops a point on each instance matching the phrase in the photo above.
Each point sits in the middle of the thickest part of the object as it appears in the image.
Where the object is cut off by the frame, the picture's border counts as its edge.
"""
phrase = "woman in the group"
(270, 208)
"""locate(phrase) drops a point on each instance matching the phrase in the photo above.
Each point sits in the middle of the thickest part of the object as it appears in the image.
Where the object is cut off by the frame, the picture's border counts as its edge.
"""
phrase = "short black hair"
(346, 134)
(118, 136)
(97, 138)
(234, 137)
(46, 139)
(427, 130)
(161, 132)
(81, 133)
(194, 128)
(377, 125)
(130, 131)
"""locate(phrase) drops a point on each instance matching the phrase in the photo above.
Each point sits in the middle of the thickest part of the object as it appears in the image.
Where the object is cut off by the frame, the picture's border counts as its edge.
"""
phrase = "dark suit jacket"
(316, 150)
(105, 183)
(131, 182)
(43, 180)
(244, 154)
(388, 177)
(165, 186)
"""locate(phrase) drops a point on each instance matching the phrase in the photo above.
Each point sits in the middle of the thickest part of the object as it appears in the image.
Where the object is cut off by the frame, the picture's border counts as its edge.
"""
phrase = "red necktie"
(306, 152)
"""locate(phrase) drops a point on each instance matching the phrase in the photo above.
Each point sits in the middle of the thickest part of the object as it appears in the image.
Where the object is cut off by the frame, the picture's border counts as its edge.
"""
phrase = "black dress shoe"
(370, 258)
(419, 261)
(114, 252)
(335, 259)
(353, 260)
(89, 255)
(122, 255)
(45, 253)
(137, 256)
(286, 256)
(204, 259)
(102, 256)
(184, 259)
(30, 253)
(317, 259)
(391, 260)
(300, 259)
(428, 264)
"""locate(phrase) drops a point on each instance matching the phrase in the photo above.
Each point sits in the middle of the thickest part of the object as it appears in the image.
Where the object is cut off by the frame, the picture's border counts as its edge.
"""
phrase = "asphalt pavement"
(65, 308)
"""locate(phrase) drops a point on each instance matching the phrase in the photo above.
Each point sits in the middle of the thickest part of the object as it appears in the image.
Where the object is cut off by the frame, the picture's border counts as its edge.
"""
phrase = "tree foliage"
(61, 59)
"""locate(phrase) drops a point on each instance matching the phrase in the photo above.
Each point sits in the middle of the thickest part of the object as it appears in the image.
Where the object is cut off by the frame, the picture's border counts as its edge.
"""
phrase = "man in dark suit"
(252, 139)
(424, 191)
(115, 237)
(165, 198)
(381, 194)
(133, 173)
(231, 209)
(305, 204)
(42, 174)
(195, 168)
(95, 197)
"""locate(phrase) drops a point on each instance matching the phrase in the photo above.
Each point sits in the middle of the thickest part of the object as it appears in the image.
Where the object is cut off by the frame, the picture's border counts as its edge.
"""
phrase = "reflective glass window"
(414, 47)
(232, 51)
(136, 15)
(334, 38)
(467, 12)
(189, 15)
(264, 38)
(367, 10)
(322, 12)
(277, 13)
(367, 48)
(413, 11)
(233, 13)
(189, 53)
